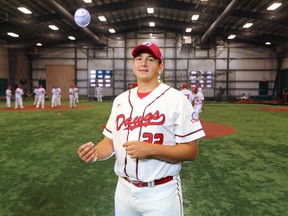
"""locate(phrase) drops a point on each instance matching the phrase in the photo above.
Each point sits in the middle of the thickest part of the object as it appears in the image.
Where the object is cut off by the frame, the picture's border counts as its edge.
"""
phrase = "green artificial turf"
(241, 174)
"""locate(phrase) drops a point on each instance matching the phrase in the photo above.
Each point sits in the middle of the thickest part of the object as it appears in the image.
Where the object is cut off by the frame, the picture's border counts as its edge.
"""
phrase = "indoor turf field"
(241, 174)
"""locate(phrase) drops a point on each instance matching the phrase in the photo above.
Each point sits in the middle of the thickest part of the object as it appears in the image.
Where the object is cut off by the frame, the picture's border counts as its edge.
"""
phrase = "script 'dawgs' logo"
(139, 121)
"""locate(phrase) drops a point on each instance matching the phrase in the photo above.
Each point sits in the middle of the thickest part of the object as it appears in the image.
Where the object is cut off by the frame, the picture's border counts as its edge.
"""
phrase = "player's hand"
(88, 152)
(137, 149)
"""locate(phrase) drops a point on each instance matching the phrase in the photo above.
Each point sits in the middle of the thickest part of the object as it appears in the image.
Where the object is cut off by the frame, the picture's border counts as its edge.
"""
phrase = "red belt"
(150, 184)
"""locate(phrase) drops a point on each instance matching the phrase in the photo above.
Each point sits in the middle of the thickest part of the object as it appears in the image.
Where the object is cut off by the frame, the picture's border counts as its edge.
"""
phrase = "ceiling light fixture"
(12, 34)
(102, 18)
(71, 38)
(112, 31)
(268, 43)
(231, 37)
(274, 6)
(152, 24)
(247, 25)
(39, 44)
(188, 30)
(53, 27)
(87, 1)
(150, 10)
(24, 10)
(195, 17)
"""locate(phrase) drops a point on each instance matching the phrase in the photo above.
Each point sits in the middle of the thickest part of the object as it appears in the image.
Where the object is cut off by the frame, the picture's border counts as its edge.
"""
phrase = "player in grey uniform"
(151, 131)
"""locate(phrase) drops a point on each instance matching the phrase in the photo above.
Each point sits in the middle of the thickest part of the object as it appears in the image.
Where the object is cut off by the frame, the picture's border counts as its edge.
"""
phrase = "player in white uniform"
(41, 97)
(18, 97)
(187, 92)
(71, 97)
(53, 97)
(99, 93)
(151, 130)
(36, 93)
(58, 95)
(8, 96)
(198, 102)
(76, 94)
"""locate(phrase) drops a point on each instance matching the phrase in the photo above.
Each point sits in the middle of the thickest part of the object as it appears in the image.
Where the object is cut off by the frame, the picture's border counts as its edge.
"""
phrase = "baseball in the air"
(82, 17)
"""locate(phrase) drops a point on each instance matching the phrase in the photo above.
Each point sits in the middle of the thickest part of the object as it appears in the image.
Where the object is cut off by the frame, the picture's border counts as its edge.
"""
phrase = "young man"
(99, 93)
(187, 92)
(72, 97)
(8, 96)
(76, 94)
(41, 97)
(198, 102)
(18, 97)
(151, 131)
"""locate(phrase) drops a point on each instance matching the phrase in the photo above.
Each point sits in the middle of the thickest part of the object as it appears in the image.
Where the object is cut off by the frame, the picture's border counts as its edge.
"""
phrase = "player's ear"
(161, 68)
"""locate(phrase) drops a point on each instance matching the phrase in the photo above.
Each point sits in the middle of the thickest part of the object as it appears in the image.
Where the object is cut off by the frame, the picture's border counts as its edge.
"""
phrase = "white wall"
(247, 65)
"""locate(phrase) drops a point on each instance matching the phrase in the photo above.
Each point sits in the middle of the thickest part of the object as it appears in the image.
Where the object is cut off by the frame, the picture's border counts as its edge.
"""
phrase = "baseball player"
(8, 96)
(36, 93)
(198, 102)
(53, 97)
(58, 95)
(18, 97)
(76, 94)
(187, 92)
(99, 93)
(71, 97)
(41, 97)
(150, 130)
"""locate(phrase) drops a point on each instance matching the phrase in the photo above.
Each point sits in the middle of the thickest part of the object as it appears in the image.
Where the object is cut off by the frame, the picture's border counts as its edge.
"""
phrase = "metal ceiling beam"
(229, 9)
(68, 16)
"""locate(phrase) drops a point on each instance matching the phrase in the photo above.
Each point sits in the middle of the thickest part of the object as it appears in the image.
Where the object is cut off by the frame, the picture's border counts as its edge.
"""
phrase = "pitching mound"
(214, 130)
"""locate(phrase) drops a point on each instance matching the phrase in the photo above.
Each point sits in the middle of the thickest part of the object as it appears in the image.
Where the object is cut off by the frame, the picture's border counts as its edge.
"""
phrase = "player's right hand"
(88, 152)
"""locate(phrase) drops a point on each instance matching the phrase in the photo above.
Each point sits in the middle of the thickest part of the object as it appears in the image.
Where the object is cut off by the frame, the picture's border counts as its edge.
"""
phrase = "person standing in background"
(8, 96)
(198, 102)
(41, 97)
(76, 94)
(71, 97)
(58, 95)
(18, 97)
(53, 97)
(36, 93)
(187, 92)
(99, 93)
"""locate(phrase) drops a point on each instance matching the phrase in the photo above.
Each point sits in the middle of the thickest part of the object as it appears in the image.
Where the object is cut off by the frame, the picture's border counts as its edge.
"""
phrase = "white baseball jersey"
(8, 97)
(163, 117)
(188, 94)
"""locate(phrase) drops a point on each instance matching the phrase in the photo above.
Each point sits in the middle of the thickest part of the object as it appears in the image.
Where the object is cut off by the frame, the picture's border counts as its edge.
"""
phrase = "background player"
(53, 97)
(99, 93)
(36, 93)
(71, 97)
(198, 102)
(18, 97)
(150, 131)
(187, 92)
(8, 96)
(58, 95)
(41, 97)
(76, 94)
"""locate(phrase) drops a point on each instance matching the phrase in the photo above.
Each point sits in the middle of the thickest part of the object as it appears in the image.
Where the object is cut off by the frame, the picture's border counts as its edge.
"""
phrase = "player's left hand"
(137, 149)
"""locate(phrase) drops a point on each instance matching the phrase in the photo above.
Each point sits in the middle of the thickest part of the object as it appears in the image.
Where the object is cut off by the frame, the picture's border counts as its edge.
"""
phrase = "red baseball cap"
(183, 85)
(150, 47)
